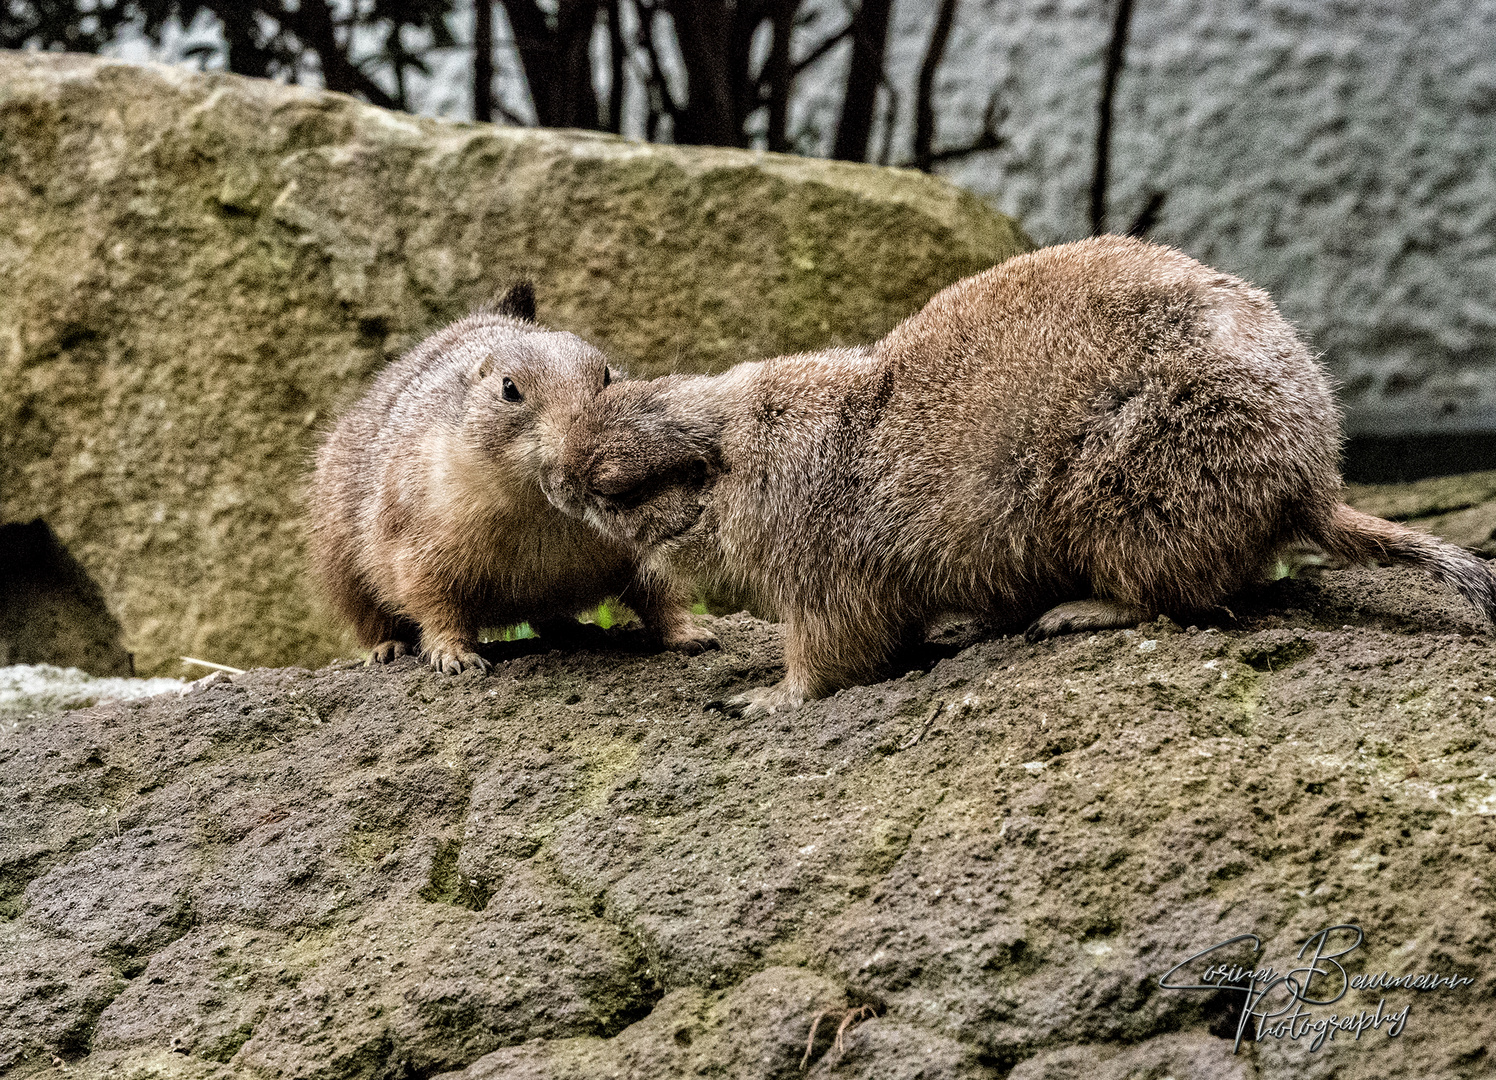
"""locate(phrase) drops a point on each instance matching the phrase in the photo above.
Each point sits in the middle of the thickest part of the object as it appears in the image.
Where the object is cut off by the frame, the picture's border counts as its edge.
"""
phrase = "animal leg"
(451, 653)
(389, 650)
(665, 615)
(820, 658)
(1082, 615)
(449, 641)
(386, 636)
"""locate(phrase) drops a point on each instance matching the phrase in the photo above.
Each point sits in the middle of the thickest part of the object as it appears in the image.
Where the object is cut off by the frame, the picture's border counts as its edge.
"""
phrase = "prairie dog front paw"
(453, 657)
(766, 701)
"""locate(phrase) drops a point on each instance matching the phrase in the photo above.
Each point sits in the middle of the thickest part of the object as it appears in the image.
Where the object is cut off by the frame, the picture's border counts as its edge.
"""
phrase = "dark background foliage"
(713, 72)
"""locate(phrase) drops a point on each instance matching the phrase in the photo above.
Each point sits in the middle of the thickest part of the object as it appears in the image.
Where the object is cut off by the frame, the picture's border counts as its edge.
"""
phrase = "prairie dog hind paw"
(764, 701)
(691, 640)
(389, 651)
(1081, 616)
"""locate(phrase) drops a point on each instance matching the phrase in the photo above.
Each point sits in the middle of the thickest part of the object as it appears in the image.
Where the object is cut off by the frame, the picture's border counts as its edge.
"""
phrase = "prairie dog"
(428, 519)
(1095, 433)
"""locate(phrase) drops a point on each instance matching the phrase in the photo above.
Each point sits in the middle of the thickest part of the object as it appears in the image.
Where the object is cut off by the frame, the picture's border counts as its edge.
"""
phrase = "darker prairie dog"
(1096, 433)
(428, 519)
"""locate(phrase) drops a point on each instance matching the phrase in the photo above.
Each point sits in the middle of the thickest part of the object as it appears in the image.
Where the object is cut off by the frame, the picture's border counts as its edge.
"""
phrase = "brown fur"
(1106, 426)
(428, 519)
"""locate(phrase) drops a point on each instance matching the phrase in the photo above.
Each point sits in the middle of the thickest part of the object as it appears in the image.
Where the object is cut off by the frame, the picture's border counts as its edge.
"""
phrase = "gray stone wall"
(1340, 154)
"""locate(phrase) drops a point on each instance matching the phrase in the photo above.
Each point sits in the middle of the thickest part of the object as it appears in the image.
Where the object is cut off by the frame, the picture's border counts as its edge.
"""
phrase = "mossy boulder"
(197, 272)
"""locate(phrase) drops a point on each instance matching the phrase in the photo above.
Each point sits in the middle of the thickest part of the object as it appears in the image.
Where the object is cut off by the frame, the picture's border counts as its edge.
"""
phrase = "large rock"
(574, 867)
(197, 272)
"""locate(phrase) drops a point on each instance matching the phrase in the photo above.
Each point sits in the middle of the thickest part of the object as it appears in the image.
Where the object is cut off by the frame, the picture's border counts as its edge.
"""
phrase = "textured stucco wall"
(1343, 155)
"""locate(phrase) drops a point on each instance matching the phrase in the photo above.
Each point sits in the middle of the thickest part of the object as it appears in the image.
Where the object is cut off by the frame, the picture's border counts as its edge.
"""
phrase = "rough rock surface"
(577, 867)
(197, 272)
(27, 688)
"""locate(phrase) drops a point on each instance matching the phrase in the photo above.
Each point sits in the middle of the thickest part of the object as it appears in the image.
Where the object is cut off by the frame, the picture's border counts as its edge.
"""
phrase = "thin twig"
(810, 1042)
(907, 743)
(849, 1018)
(853, 1016)
(211, 664)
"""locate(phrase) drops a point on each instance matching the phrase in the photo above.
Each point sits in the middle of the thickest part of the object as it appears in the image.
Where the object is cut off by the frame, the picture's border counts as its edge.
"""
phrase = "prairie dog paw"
(692, 640)
(453, 658)
(388, 651)
(1082, 615)
(765, 701)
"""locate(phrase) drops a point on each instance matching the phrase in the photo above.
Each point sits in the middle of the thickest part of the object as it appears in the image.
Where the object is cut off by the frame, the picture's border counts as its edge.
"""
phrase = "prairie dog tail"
(1361, 539)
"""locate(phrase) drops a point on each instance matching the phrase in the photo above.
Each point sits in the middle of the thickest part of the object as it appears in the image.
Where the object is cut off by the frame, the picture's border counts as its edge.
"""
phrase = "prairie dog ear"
(517, 301)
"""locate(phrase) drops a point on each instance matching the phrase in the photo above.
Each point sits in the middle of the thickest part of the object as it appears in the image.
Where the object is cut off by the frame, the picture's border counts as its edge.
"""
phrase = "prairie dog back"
(428, 518)
(1088, 402)
(1094, 433)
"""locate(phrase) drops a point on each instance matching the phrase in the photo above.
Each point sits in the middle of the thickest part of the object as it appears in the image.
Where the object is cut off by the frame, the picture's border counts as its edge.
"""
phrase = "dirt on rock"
(578, 866)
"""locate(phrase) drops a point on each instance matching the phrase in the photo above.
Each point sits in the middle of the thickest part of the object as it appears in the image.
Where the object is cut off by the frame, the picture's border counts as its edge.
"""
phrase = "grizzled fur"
(1094, 433)
(428, 519)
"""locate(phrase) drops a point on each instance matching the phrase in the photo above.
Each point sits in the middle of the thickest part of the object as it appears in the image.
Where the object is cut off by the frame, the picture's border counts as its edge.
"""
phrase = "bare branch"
(703, 31)
(779, 75)
(313, 23)
(821, 50)
(864, 74)
(991, 136)
(1148, 217)
(483, 60)
(660, 102)
(924, 107)
(1116, 56)
(617, 51)
(555, 60)
(890, 116)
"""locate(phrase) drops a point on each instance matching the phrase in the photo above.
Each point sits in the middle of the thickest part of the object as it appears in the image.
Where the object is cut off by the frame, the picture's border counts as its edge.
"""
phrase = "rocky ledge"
(577, 866)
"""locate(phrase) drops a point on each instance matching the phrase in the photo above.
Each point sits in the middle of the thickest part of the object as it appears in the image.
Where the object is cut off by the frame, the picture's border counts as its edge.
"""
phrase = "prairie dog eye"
(511, 392)
(607, 376)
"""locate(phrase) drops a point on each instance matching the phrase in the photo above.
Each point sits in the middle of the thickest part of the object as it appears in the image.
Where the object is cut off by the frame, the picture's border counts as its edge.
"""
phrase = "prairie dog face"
(639, 463)
(525, 388)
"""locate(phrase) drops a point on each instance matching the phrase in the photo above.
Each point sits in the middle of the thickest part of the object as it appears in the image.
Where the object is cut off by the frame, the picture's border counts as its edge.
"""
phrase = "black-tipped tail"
(1361, 538)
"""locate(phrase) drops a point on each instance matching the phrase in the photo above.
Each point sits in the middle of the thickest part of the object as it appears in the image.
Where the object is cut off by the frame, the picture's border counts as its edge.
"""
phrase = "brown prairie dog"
(428, 519)
(1095, 433)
